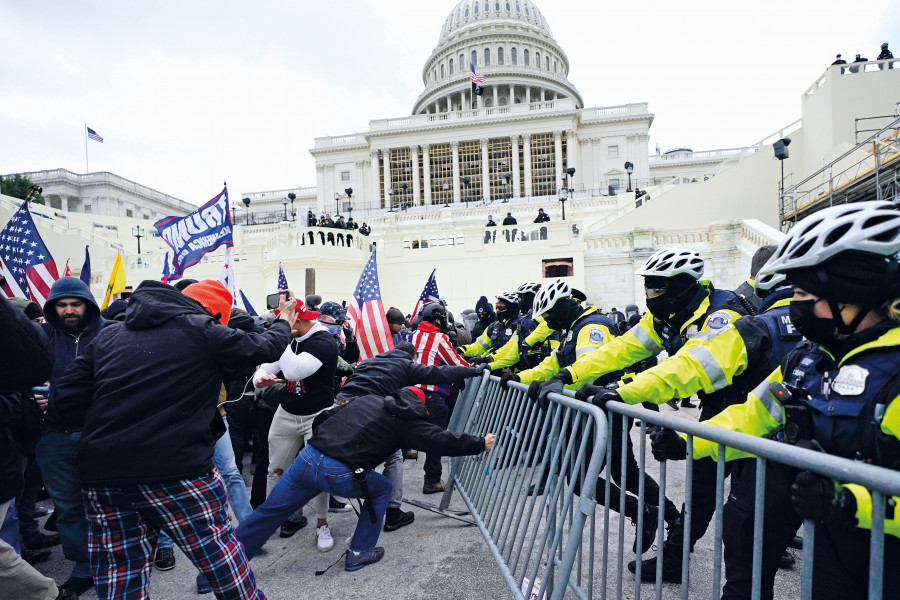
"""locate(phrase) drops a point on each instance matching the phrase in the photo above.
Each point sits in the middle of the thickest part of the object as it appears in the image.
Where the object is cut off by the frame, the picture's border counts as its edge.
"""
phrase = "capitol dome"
(510, 43)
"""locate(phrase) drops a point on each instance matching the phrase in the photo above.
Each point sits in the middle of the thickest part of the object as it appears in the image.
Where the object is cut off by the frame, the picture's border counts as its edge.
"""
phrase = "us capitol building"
(427, 182)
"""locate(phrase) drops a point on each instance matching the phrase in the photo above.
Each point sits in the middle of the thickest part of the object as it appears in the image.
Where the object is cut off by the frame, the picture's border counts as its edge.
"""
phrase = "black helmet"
(434, 313)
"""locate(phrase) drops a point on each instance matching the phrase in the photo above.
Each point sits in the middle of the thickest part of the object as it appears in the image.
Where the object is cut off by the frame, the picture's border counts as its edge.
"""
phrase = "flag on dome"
(429, 294)
(366, 310)
(282, 280)
(477, 81)
(25, 261)
(85, 274)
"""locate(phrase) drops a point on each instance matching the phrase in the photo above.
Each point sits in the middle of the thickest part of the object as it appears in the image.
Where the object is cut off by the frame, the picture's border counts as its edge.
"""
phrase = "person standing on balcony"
(885, 54)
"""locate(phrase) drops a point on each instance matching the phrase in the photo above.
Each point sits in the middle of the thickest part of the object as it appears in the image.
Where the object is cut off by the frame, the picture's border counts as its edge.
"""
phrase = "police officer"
(683, 311)
(740, 354)
(497, 333)
(746, 291)
(581, 330)
(532, 342)
(842, 262)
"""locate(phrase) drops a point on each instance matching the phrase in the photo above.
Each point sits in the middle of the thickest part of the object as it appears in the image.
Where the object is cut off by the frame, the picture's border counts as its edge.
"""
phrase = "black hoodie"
(146, 389)
(365, 432)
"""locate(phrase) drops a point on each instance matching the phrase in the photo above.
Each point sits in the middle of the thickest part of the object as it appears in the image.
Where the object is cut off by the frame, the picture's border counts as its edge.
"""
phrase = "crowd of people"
(884, 54)
(802, 352)
(338, 222)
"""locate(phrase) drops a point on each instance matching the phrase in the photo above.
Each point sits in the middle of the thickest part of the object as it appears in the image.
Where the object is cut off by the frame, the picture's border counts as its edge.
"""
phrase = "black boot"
(395, 518)
(671, 571)
(648, 533)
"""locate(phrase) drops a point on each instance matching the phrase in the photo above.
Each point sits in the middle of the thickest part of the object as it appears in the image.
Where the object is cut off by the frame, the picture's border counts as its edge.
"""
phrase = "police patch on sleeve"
(718, 320)
(597, 335)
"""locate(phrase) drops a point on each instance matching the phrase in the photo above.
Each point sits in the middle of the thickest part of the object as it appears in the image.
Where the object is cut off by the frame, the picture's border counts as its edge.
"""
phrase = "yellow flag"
(116, 280)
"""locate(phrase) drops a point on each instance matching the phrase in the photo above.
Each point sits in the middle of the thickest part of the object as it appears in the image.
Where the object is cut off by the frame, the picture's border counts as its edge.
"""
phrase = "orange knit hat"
(214, 297)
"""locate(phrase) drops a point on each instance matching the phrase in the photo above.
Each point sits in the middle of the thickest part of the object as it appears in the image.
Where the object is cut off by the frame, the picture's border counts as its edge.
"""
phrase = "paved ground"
(435, 558)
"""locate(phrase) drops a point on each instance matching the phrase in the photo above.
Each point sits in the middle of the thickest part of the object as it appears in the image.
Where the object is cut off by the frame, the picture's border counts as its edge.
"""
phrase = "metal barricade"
(881, 482)
(526, 494)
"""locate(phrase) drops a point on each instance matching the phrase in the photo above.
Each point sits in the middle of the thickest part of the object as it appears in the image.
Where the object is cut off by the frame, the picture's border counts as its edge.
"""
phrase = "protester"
(132, 490)
(73, 322)
(398, 325)
(26, 359)
(340, 458)
(307, 366)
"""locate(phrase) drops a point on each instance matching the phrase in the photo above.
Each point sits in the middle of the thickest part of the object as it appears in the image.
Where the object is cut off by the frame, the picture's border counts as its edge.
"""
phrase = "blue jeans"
(57, 454)
(310, 474)
(9, 527)
(223, 457)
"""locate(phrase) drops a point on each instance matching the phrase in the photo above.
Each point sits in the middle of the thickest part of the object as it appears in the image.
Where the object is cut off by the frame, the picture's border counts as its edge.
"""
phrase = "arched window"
(512, 56)
(462, 62)
(546, 63)
(499, 56)
(537, 59)
(442, 70)
(487, 57)
(475, 57)
(525, 56)
(555, 66)
(451, 66)
(476, 8)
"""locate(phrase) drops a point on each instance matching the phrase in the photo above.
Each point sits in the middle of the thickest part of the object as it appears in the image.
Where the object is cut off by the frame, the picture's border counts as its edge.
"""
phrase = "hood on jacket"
(31, 309)
(115, 311)
(401, 350)
(405, 405)
(71, 287)
(154, 303)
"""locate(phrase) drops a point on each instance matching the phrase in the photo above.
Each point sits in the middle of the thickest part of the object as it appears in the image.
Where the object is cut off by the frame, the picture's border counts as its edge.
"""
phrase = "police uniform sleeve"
(540, 333)
(506, 356)
(760, 415)
(543, 371)
(479, 347)
(638, 343)
(707, 366)
(890, 425)
(590, 338)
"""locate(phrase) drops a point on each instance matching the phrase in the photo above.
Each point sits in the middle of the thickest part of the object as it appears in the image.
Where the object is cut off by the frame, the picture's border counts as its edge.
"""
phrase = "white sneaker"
(324, 541)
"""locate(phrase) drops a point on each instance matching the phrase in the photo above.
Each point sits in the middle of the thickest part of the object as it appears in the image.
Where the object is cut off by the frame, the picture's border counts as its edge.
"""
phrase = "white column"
(512, 94)
(449, 104)
(543, 95)
(557, 142)
(414, 155)
(526, 150)
(496, 96)
(515, 165)
(329, 187)
(320, 190)
(527, 94)
(485, 170)
(375, 187)
(386, 165)
(426, 173)
(454, 145)
(572, 154)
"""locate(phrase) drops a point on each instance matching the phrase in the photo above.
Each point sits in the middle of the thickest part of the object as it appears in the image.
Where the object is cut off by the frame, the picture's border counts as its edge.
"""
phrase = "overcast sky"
(190, 94)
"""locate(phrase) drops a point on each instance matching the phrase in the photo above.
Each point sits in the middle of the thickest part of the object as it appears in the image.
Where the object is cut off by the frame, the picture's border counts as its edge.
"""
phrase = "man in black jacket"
(153, 382)
(348, 443)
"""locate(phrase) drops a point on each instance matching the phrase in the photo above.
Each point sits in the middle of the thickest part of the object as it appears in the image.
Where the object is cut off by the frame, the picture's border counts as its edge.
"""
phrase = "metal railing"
(544, 540)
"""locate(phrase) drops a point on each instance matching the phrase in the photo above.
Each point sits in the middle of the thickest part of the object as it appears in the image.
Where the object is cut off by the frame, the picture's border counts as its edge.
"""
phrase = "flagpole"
(87, 168)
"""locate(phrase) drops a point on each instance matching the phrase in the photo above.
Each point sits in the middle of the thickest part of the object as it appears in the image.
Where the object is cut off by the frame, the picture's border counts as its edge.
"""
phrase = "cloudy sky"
(193, 93)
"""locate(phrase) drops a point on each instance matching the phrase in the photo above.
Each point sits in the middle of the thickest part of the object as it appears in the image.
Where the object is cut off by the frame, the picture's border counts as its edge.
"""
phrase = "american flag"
(25, 261)
(476, 77)
(282, 280)
(94, 135)
(429, 294)
(366, 310)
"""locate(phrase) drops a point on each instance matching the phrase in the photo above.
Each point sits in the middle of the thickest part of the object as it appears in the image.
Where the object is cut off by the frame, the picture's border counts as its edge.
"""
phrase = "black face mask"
(815, 329)
(670, 303)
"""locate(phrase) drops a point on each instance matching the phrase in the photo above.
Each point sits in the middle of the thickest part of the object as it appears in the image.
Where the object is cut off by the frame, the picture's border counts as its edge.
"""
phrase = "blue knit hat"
(482, 306)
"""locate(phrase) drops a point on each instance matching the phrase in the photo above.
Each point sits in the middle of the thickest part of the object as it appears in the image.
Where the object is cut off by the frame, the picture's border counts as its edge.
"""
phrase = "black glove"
(507, 377)
(819, 498)
(540, 392)
(475, 372)
(668, 445)
(587, 392)
(478, 360)
(600, 400)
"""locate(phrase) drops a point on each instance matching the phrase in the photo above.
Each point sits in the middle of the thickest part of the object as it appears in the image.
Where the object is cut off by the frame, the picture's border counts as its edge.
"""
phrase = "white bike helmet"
(671, 262)
(548, 296)
(529, 287)
(508, 298)
(766, 281)
(867, 227)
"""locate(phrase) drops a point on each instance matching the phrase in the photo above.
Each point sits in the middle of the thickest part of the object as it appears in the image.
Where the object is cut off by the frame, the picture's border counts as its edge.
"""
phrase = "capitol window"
(487, 7)
(476, 9)
(512, 56)
(462, 61)
(508, 7)
(525, 57)
(475, 57)
(442, 71)
(518, 8)
(487, 57)
(547, 63)
(537, 59)
(451, 66)
(467, 12)
(527, 14)
(499, 56)
(612, 151)
(345, 175)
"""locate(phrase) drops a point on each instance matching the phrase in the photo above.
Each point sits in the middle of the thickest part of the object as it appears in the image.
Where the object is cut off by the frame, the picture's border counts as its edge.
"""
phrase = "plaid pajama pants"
(124, 522)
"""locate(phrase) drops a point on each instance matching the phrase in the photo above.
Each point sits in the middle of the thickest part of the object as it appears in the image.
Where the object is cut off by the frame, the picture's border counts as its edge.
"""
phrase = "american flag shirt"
(434, 349)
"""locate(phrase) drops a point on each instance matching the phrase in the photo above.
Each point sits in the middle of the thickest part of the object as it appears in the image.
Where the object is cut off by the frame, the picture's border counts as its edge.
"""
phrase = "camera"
(272, 300)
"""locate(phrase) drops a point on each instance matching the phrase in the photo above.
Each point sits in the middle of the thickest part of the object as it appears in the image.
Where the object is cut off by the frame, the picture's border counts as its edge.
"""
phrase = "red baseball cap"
(303, 313)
